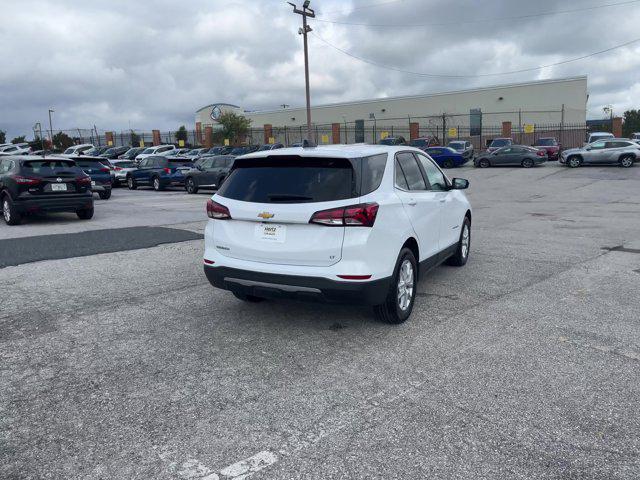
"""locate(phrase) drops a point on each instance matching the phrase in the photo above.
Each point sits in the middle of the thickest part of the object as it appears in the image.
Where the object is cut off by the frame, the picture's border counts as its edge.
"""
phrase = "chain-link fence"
(524, 127)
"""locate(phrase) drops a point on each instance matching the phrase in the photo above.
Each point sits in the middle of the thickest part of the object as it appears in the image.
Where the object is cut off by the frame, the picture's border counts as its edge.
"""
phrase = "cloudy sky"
(151, 63)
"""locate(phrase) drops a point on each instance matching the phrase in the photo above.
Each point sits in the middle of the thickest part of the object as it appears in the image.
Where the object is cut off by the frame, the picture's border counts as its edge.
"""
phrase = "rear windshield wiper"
(281, 197)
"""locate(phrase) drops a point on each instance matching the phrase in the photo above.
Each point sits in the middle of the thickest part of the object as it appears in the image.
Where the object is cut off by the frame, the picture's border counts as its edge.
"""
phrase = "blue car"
(159, 172)
(446, 157)
(99, 169)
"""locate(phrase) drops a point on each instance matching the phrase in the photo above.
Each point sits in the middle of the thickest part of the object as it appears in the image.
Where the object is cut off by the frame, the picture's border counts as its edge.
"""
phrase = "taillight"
(84, 180)
(167, 170)
(217, 211)
(26, 180)
(117, 169)
(105, 170)
(540, 153)
(363, 215)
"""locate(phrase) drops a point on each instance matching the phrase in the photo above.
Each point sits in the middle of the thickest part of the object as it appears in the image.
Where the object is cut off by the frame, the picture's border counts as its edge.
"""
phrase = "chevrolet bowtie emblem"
(266, 215)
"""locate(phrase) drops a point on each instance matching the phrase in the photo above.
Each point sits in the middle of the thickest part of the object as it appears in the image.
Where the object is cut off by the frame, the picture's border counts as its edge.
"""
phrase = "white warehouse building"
(472, 112)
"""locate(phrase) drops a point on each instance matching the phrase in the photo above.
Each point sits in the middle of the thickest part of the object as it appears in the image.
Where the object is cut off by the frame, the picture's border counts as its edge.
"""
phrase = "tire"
(190, 186)
(85, 214)
(398, 305)
(157, 184)
(527, 163)
(574, 162)
(10, 212)
(131, 183)
(247, 298)
(448, 164)
(106, 195)
(626, 161)
(116, 183)
(484, 163)
(459, 259)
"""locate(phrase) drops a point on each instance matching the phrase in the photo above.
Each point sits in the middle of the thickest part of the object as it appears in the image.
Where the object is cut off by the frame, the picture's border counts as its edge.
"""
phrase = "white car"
(17, 149)
(157, 150)
(77, 150)
(344, 223)
(595, 136)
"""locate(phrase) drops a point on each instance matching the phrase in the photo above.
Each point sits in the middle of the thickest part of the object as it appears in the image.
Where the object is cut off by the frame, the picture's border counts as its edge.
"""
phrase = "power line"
(439, 75)
(364, 7)
(469, 22)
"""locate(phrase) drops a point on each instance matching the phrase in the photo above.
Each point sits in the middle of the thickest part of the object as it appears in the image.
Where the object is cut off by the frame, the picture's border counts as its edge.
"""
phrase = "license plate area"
(93, 183)
(271, 232)
(58, 187)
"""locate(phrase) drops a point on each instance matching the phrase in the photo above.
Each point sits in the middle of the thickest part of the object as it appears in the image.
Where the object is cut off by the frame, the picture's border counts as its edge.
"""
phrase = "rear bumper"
(54, 204)
(296, 287)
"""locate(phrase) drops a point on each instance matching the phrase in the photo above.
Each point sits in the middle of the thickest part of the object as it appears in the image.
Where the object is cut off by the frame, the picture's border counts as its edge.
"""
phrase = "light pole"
(306, 12)
(51, 127)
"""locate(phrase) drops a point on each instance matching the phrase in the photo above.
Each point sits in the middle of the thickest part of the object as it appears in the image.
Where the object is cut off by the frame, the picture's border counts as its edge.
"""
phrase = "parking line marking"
(247, 467)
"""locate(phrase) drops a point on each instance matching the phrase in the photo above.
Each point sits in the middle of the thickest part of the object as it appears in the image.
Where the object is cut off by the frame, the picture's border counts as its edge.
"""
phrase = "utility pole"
(306, 12)
(51, 127)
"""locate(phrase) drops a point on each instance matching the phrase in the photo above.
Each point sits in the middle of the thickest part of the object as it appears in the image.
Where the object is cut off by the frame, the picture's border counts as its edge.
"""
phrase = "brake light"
(217, 211)
(363, 215)
(84, 180)
(354, 277)
(167, 170)
(20, 180)
(208, 262)
(540, 153)
(117, 169)
(105, 170)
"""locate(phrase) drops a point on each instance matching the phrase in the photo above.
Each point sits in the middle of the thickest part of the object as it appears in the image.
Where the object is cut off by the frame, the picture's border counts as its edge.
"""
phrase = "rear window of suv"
(48, 167)
(294, 179)
(90, 163)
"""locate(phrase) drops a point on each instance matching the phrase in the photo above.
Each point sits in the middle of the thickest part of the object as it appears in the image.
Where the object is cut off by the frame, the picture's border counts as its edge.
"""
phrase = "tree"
(234, 127)
(62, 141)
(631, 122)
(3, 136)
(182, 134)
(20, 139)
(135, 139)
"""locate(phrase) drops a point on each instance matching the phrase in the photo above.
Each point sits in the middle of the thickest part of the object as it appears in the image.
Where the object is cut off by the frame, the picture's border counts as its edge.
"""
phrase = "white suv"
(157, 150)
(338, 223)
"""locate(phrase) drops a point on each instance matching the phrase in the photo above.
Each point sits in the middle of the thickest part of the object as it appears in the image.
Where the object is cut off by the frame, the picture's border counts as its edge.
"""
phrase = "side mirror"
(459, 184)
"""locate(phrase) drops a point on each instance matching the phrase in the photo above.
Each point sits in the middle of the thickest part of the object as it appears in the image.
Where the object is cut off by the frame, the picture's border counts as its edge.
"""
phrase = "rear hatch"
(54, 177)
(272, 199)
(98, 170)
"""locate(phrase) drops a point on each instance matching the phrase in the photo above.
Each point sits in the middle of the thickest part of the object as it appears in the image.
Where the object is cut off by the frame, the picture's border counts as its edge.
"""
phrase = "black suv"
(209, 172)
(30, 184)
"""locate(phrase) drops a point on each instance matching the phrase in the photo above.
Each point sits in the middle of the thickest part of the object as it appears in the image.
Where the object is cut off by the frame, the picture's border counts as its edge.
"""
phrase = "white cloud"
(152, 64)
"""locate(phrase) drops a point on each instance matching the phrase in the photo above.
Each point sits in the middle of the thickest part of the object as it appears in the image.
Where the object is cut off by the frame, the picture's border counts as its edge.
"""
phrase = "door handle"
(412, 202)
(443, 200)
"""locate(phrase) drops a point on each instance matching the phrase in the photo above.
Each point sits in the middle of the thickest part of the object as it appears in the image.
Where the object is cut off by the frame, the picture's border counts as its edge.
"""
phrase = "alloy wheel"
(405, 285)
(626, 162)
(6, 211)
(465, 241)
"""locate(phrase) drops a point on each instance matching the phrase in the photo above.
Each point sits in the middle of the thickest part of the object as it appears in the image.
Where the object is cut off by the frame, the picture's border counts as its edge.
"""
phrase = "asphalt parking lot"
(524, 364)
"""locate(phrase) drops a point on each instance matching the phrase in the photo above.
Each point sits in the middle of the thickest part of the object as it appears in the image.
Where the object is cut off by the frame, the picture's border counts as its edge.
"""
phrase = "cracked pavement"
(523, 364)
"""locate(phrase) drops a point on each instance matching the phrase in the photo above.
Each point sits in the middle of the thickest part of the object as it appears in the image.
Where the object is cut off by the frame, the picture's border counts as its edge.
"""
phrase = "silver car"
(611, 151)
(120, 170)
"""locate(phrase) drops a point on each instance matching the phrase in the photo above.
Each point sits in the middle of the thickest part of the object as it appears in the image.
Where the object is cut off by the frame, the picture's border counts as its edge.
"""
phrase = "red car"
(550, 145)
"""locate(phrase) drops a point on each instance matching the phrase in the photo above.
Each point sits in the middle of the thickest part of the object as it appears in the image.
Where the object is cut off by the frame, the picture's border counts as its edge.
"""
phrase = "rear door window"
(409, 166)
(290, 180)
(435, 177)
